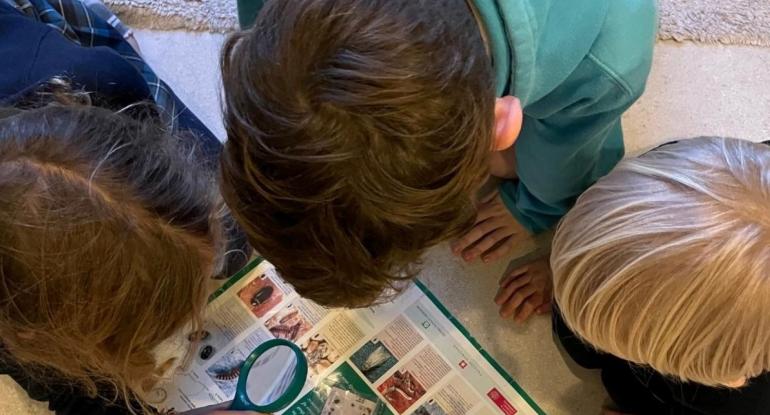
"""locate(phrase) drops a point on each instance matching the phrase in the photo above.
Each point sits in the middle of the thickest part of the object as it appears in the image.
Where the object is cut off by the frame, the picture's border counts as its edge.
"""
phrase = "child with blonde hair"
(662, 279)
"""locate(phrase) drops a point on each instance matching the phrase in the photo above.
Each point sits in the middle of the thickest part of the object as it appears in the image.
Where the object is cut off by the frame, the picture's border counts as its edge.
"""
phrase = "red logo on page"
(463, 364)
(501, 402)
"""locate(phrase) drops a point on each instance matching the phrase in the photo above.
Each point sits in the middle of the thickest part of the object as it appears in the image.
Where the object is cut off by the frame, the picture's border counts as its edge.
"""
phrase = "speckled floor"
(693, 90)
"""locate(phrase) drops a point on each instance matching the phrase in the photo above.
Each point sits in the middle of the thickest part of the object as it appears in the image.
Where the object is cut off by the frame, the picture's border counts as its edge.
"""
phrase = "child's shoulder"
(554, 42)
(625, 42)
(753, 398)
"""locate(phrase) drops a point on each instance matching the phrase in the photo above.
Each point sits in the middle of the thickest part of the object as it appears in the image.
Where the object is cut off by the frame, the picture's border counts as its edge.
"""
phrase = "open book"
(409, 356)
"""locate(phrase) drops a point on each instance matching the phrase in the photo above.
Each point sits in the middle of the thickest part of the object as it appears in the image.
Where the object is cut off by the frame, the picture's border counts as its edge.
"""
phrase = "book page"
(405, 357)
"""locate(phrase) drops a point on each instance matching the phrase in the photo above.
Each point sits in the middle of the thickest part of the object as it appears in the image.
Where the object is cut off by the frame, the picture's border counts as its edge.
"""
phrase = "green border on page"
(432, 297)
(236, 277)
(428, 293)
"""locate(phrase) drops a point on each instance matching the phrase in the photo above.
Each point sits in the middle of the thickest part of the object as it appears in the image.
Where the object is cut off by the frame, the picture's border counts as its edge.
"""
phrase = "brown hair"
(665, 262)
(358, 133)
(108, 232)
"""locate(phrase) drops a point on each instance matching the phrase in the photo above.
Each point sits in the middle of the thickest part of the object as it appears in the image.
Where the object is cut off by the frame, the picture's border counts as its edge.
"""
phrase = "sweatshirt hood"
(536, 44)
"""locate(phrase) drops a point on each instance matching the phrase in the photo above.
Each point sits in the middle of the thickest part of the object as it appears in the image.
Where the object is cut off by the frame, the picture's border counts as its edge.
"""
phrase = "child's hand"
(495, 233)
(526, 291)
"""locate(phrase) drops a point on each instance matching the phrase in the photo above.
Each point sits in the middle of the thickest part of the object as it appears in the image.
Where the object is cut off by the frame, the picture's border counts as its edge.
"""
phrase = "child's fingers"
(500, 251)
(515, 300)
(504, 292)
(454, 246)
(512, 276)
(526, 309)
(545, 308)
(517, 279)
(489, 241)
(487, 211)
(487, 220)
(477, 232)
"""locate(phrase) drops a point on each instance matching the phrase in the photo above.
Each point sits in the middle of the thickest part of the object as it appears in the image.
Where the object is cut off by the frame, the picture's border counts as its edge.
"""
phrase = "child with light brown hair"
(107, 242)
(361, 131)
(662, 279)
(110, 223)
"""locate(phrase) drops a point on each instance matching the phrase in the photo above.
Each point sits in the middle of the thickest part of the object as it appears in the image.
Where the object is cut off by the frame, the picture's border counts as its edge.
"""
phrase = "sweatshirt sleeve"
(570, 138)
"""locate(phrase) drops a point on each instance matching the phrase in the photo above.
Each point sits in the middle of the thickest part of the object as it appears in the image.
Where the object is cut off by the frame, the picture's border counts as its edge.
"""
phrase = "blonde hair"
(666, 261)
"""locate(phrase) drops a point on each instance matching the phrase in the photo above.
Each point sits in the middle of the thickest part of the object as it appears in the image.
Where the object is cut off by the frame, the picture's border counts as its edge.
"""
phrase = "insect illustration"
(375, 359)
(228, 374)
(261, 296)
(283, 331)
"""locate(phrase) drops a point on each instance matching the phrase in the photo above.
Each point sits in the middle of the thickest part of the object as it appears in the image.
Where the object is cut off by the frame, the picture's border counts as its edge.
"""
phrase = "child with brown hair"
(360, 131)
(110, 226)
(662, 280)
(108, 238)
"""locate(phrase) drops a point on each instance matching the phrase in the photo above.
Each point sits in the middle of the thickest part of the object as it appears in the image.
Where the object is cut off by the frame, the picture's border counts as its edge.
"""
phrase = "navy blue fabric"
(42, 44)
(33, 53)
(62, 399)
(640, 390)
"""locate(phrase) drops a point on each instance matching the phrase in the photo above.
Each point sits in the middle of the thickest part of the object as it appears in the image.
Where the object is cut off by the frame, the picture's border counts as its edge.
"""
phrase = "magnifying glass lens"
(271, 375)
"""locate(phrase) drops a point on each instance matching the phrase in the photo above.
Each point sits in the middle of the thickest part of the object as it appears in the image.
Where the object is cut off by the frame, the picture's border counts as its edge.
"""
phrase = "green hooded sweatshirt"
(576, 66)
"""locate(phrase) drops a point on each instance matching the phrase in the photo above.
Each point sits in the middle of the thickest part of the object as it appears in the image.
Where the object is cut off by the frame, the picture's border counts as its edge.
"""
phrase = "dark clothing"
(32, 53)
(642, 391)
(61, 398)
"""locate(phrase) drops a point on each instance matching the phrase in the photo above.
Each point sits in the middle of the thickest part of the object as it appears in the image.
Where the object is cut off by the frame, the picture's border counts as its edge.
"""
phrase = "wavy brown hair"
(358, 133)
(108, 231)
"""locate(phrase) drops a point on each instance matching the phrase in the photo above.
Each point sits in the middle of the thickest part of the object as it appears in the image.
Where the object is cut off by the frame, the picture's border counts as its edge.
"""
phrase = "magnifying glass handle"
(242, 404)
(293, 389)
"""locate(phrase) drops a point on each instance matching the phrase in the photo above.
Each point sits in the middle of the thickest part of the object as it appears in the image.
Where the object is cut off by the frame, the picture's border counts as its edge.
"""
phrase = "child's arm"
(563, 149)
(571, 132)
(569, 139)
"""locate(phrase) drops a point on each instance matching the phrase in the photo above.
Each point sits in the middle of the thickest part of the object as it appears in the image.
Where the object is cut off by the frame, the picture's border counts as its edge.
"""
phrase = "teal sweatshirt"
(576, 66)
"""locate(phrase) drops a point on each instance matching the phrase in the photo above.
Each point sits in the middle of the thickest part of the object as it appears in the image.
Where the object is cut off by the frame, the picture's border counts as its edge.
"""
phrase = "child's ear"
(508, 118)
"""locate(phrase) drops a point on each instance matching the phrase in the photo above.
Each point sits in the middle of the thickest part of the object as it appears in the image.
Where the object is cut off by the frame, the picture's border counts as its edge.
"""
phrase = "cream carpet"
(734, 22)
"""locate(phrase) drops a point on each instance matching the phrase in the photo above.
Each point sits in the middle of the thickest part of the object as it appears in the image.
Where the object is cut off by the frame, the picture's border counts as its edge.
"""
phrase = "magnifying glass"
(270, 379)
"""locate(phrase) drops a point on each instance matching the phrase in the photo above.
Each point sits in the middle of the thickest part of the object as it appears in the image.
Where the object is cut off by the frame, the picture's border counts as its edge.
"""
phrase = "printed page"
(404, 357)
